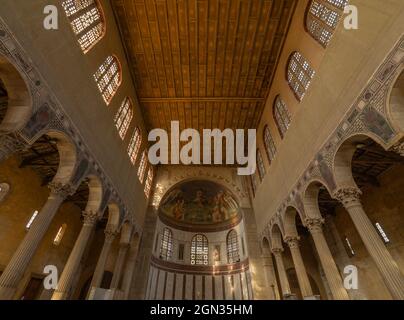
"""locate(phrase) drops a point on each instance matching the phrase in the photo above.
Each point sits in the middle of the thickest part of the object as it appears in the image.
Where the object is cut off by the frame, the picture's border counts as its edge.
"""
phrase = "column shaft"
(118, 266)
(301, 273)
(327, 261)
(129, 270)
(283, 278)
(100, 268)
(270, 277)
(70, 270)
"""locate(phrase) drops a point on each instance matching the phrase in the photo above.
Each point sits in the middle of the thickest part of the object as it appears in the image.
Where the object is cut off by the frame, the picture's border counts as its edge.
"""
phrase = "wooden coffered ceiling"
(206, 63)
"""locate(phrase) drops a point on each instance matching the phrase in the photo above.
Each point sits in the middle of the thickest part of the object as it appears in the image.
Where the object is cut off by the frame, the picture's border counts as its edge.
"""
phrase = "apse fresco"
(199, 202)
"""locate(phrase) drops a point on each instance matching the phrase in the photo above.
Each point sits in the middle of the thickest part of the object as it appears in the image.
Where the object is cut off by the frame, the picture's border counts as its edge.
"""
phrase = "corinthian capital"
(348, 196)
(110, 233)
(276, 251)
(90, 217)
(398, 148)
(292, 241)
(314, 224)
(61, 190)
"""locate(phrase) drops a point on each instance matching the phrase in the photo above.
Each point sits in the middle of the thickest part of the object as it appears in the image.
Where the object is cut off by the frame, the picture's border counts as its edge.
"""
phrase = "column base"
(289, 296)
(316, 297)
(58, 295)
(7, 293)
(101, 294)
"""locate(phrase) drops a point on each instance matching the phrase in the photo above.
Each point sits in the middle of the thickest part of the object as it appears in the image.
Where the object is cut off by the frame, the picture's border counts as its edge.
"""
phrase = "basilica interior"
(86, 215)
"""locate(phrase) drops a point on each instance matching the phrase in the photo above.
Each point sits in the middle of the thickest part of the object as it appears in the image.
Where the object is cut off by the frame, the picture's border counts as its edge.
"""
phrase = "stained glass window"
(142, 167)
(124, 117)
(60, 234)
(233, 254)
(260, 165)
(299, 75)
(31, 220)
(87, 21)
(108, 78)
(270, 147)
(149, 181)
(166, 248)
(282, 116)
(134, 145)
(323, 17)
(199, 250)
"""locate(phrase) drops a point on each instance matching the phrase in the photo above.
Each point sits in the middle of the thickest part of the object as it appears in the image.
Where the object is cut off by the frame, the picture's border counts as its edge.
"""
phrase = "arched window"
(60, 234)
(269, 144)
(166, 248)
(199, 250)
(260, 165)
(124, 117)
(134, 145)
(4, 190)
(31, 220)
(87, 21)
(233, 254)
(322, 19)
(299, 75)
(108, 78)
(142, 167)
(149, 181)
(282, 116)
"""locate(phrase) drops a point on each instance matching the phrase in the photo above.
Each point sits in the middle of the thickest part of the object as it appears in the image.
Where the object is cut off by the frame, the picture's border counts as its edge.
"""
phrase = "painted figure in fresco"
(200, 202)
(178, 209)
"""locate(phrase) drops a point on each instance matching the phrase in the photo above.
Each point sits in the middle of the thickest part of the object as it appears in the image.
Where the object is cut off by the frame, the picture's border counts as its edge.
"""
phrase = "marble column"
(388, 268)
(18, 264)
(110, 234)
(120, 260)
(129, 270)
(339, 253)
(270, 275)
(332, 274)
(283, 278)
(72, 265)
(303, 279)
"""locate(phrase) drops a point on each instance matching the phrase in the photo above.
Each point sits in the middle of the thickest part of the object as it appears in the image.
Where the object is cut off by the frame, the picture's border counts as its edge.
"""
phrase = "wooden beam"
(39, 156)
(201, 99)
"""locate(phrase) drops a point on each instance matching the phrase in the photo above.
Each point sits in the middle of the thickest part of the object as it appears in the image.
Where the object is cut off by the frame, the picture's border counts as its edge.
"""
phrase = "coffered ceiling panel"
(206, 63)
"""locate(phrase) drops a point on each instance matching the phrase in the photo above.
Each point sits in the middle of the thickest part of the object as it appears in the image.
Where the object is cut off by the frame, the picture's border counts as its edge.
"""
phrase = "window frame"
(85, 32)
(134, 145)
(282, 117)
(103, 83)
(310, 18)
(267, 145)
(123, 117)
(199, 257)
(296, 75)
(166, 244)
